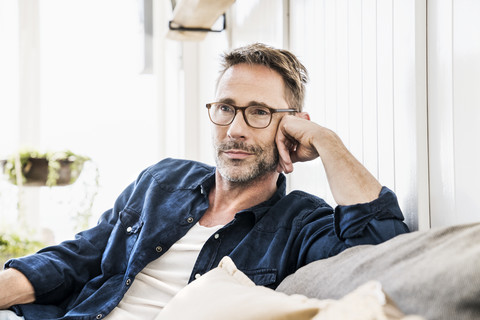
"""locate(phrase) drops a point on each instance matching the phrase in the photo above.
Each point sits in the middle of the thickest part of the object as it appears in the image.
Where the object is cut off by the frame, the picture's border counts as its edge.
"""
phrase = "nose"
(238, 127)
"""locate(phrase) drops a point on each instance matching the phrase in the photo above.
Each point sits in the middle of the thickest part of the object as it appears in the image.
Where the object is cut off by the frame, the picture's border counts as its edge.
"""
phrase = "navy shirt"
(87, 277)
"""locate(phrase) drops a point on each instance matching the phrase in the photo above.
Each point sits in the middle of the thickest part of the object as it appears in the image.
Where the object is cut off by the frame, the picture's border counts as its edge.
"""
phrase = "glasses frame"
(242, 109)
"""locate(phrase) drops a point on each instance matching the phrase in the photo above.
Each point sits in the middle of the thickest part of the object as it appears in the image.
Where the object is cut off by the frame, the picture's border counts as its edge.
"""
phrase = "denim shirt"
(86, 278)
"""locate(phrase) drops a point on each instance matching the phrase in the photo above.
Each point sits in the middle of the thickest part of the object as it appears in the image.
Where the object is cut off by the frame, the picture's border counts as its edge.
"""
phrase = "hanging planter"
(32, 168)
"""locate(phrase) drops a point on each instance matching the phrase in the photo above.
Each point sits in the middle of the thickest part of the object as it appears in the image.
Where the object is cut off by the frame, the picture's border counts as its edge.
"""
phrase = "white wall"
(454, 110)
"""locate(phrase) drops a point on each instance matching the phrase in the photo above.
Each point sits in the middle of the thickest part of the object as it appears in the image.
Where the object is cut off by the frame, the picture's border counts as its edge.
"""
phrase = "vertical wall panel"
(406, 84)
(440, 104)
(454, 113)
(466, 118)
(369, 90)
(369, 83)
(386, 142)
(341, 59)
(331, 73)
(355, 77)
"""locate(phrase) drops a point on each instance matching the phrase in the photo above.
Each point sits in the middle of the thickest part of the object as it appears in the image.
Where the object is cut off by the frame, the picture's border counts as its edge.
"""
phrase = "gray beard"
(267, 162)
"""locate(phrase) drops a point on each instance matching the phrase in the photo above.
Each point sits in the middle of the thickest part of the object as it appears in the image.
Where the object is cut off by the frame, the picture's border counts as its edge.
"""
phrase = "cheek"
(268, 139)
(218, 133)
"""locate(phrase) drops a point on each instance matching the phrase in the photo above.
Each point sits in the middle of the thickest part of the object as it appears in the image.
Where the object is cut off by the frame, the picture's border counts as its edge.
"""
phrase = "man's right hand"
(15, 289)
(299, 139)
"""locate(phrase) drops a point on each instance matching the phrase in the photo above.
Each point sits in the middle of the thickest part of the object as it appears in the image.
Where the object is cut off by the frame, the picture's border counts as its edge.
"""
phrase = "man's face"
(243, 153)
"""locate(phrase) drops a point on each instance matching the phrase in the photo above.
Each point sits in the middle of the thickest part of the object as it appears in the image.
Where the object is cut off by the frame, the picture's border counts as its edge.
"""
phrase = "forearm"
(350, 182)
(299, 139)
(16, 289)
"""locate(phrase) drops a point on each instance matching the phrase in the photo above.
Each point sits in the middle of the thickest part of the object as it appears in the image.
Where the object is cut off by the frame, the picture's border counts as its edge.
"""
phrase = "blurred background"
(397, 80)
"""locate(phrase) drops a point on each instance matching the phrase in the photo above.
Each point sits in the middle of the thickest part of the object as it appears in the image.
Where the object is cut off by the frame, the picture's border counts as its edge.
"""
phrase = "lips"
(238, 150)
(237, 154)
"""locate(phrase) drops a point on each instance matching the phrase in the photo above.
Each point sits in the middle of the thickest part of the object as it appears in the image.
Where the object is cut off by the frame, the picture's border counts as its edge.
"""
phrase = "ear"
(303, 115)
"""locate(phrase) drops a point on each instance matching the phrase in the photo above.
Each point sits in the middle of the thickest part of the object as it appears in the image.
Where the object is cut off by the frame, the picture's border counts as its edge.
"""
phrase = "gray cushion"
(434, 273)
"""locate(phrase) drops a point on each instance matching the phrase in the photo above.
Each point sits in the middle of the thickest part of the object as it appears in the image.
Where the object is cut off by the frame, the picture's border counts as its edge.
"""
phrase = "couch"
(430, 275)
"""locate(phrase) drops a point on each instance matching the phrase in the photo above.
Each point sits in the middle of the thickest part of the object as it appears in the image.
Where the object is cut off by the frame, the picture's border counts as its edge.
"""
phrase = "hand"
(299, 139)
(295, 141)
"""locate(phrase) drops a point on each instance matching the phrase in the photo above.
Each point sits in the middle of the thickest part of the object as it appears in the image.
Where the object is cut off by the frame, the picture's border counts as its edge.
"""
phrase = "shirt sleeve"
(370, 223)
(326, 232)
(57, 271)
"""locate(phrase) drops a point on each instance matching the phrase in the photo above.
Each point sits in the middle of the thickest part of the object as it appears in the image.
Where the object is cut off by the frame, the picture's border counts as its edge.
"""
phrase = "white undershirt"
(162, 278)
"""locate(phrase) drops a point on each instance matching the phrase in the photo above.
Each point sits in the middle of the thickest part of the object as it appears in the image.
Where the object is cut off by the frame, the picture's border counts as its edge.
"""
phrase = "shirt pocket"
(130, 221)
(262, 277)
(122, 241)
(130, 227)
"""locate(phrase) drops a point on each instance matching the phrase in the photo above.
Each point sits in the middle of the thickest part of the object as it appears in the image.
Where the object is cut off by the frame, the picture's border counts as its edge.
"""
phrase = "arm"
(20, 290)
(55, 272)
(299, 139)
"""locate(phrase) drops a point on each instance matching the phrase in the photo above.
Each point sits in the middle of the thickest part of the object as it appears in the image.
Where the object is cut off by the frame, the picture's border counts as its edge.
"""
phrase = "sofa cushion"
(434, 273)
(226, 293)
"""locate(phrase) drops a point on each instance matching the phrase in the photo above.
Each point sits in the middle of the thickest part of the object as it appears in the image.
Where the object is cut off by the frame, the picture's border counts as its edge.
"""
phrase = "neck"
(227, 198)
(244, 195)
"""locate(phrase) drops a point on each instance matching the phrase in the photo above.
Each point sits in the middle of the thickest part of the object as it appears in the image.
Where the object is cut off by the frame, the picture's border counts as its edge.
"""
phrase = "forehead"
(243, 84)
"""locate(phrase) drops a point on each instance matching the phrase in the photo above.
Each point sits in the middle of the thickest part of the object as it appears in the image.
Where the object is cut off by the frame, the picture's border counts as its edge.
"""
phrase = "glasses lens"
(258, 117)
(221, 113)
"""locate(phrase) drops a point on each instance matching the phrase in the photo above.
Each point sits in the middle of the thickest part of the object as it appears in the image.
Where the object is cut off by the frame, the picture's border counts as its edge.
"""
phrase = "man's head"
(261, 78)
(292, 71)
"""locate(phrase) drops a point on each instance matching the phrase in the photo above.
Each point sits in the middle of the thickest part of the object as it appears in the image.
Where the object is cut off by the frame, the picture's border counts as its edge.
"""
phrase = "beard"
(246, 171)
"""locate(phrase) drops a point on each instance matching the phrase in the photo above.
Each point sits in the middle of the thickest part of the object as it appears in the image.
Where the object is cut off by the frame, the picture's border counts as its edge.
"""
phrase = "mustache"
(239, 145)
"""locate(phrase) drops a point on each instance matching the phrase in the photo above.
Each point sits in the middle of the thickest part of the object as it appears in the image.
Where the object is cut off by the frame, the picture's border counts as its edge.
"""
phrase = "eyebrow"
(251, 103)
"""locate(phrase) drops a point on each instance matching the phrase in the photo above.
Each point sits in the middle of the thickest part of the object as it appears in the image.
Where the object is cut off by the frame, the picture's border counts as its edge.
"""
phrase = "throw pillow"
(226, 293)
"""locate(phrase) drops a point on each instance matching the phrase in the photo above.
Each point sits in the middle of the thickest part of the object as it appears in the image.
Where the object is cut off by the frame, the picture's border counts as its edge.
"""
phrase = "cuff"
(350, 221)
(43, 282)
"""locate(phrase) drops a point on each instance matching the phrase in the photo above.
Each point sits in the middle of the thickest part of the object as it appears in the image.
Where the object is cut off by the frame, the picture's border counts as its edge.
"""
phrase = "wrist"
(20, 289)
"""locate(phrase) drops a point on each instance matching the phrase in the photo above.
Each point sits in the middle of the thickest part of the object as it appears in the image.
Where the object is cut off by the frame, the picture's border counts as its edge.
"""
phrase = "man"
(179, 218)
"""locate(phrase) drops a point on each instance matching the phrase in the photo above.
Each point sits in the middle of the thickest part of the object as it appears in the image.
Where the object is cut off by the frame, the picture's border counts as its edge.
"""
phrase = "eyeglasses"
(258, 117)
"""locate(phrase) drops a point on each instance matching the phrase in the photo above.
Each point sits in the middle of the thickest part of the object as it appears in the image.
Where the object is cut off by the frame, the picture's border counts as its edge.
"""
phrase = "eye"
(224, 108)
(258, 111)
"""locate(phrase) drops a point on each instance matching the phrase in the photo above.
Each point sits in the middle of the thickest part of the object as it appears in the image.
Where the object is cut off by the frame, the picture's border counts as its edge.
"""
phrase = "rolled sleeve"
(57, 271)
(43, 281)
(371, 222)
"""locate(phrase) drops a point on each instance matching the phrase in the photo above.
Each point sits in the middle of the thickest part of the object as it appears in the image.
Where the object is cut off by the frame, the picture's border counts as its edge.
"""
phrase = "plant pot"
(36, 172)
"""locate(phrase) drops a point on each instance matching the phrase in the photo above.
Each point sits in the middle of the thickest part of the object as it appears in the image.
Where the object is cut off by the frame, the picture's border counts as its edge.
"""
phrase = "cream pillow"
(227, 293)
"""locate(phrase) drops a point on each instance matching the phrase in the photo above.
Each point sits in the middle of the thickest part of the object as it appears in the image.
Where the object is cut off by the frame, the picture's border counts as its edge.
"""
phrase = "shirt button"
(190, 219)
(128, 282)
(198, 275)
(129, 229)
(99, 316)
(216, 236)
(158, 249)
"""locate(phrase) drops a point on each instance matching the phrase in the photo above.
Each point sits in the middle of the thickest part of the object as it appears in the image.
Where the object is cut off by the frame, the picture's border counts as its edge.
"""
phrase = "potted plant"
(33, 168)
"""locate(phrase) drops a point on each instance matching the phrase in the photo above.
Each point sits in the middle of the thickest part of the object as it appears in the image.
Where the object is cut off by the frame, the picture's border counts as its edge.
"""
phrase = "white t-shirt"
(162, 278)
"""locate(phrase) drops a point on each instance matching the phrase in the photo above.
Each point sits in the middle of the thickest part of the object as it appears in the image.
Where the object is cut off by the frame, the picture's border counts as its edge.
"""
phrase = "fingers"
(286, 147)
(293, 139)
